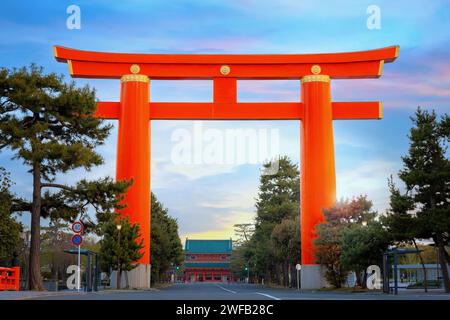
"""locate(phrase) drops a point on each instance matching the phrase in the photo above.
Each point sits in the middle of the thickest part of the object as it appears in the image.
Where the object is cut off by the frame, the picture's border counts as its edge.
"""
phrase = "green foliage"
(49, 122)
(166, 247)
(273, 248)
(104, 195)
(329, 243)
(423, 210)
(240, 258)
(402, 225)
(10, 229)
(363, 246)
(243, 233)
(279, 193)
(55, 238)
(285, 241)
(428, 254)
(328, 254)
(120, 248)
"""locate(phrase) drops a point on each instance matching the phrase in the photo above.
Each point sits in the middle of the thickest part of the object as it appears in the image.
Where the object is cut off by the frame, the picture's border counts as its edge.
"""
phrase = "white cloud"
(369, 178)
(242, 198)
(164, 171)
(221, 227)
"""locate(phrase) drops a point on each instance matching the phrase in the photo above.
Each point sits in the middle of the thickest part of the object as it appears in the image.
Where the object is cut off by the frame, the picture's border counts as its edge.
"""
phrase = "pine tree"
(279, 193)
(403, 227)
(426, 175)
(166, 247)
(243, 233)
(49, 125)
(120, 247)
(278, 200)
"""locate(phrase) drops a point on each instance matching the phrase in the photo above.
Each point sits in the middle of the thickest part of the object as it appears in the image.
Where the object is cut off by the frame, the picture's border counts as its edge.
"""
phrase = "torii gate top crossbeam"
(345, 65)
(225, 70)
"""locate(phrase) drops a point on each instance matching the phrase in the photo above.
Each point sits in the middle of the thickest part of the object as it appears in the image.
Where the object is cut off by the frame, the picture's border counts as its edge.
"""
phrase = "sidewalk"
(433, 291)
(21, 295)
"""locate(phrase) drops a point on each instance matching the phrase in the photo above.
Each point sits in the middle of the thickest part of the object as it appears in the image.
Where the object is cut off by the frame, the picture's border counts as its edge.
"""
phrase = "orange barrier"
(10, 278)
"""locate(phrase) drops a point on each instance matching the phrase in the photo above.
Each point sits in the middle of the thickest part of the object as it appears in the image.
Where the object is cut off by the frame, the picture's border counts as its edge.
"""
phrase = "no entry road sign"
(77, 240)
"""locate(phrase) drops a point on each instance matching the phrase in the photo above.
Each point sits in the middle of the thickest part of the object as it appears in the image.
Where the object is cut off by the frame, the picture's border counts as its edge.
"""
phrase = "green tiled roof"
(207, 265)
(208, 246)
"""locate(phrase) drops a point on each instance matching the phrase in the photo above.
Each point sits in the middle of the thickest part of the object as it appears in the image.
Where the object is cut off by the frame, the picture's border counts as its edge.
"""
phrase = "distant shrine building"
(207, 260)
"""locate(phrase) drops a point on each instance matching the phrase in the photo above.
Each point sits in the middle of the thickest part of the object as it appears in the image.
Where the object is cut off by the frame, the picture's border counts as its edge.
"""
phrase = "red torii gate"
(315, 110)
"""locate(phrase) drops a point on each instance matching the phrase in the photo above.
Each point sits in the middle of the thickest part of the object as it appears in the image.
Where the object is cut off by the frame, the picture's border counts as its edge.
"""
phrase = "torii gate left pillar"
(133, 150)
(316, 111)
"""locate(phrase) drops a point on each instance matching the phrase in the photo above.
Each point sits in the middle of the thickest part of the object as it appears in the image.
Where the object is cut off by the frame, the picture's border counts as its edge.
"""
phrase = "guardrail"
(10, 279)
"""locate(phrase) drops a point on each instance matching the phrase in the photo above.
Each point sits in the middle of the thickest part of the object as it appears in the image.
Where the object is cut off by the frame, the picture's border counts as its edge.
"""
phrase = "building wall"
(205, 273)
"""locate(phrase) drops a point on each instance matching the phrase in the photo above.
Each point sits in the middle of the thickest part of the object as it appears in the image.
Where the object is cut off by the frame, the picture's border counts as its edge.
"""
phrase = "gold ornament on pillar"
(315, 69)
(225, 70)
(135, 69)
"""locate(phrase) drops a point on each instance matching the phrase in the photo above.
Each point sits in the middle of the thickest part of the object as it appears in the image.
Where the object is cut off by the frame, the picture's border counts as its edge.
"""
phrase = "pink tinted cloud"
(222, 44)
(410, 81)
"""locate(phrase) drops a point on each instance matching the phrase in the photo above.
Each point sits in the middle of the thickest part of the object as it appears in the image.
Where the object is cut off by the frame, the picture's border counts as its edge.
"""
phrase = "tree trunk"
(34, 274)
(119, 278)
(280, 274)
(127, 285)
(358, 279)
(425, 281)
(447, 257)
(286, 274)
(364, 279)
(443, 263)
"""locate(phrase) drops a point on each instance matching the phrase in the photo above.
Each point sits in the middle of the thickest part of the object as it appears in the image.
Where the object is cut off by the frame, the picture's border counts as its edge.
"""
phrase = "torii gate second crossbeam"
(315, 110)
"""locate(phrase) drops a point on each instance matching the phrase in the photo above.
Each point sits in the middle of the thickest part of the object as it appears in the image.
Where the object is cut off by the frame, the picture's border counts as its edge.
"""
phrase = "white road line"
(268, 296)
(231, 291)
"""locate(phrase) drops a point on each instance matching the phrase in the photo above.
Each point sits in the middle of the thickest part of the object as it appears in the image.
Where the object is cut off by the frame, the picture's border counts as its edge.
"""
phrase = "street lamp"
(298, 267)
(119, 227)
(247, 268)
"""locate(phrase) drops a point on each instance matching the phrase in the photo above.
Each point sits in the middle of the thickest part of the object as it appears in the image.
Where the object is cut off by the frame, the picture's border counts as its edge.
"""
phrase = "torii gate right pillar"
(318, 177)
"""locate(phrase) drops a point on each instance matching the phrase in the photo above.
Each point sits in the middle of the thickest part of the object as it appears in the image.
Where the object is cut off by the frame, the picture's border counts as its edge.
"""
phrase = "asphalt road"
(221, 291)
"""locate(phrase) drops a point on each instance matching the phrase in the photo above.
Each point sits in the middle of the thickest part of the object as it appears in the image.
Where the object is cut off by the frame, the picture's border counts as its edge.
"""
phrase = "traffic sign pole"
(77, 239)
(79, 270)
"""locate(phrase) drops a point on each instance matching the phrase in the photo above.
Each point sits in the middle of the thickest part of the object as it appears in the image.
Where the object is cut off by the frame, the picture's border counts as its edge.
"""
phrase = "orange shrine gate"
(316, 111)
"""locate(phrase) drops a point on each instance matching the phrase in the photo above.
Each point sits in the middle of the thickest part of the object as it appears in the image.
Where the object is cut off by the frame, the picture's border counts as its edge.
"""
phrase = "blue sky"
(208, 199)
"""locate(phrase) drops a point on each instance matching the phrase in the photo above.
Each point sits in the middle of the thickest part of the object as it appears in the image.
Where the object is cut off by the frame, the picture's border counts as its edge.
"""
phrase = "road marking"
(231, 291)
(268, 296)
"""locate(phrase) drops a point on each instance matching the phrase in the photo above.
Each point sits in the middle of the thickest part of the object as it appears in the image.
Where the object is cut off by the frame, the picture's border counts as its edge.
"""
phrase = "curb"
(50, 295)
